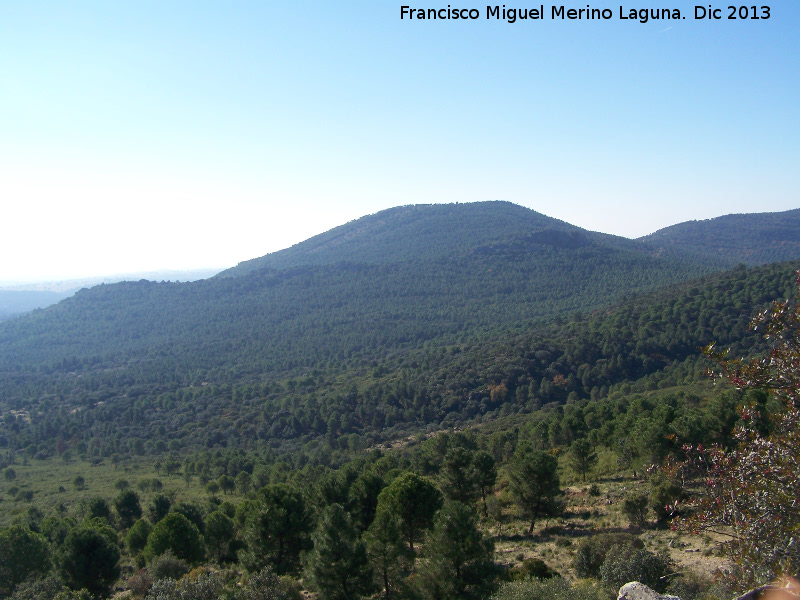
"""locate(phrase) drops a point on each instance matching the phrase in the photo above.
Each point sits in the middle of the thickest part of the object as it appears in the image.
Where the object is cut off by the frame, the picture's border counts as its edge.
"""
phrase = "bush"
(636, 564)
(177, 533)
(207, 586)
(591, 553)
(140, 583)
(635, 508)
(266, 585)
(549, 589)
(167, 565)
(532, 567)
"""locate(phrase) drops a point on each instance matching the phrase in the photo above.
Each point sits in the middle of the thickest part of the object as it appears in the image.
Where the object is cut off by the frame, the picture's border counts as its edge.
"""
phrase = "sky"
(139, 136)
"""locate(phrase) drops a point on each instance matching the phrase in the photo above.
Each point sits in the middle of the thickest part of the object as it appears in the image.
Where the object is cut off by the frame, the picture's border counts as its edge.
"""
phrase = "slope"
(425, 232)
(271, 321)
(751, 239)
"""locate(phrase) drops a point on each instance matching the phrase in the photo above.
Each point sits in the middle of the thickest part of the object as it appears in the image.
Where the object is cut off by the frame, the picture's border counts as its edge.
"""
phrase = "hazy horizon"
(156, 136)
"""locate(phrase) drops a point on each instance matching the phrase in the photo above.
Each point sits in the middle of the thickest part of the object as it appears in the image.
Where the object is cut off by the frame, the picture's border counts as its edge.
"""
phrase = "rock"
(639, 591)
(754, 594)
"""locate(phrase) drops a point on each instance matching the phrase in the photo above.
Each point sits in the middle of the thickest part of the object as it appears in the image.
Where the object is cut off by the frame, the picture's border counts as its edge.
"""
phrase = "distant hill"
(377, 285)
(17, 302)
(414, 317)
(19, 298)
(750, 239)
(433, 231)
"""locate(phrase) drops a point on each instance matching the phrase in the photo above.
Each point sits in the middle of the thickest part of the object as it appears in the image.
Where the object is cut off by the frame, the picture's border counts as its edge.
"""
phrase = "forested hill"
(644, 342)
(751, 239)
(498, 266)
(434, 231)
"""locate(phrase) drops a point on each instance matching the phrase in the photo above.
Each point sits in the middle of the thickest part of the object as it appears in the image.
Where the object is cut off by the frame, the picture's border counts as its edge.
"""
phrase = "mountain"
(434, 232)
(408, 318)
(384, 283)
(19, 298)
(17, 302)
(750, 239)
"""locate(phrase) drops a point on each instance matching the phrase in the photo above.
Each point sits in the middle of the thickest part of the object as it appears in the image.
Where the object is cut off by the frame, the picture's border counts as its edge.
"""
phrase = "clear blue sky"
(148, 135)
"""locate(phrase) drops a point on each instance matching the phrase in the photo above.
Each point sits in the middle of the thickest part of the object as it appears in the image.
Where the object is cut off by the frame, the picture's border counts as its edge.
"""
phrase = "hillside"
(751, 239)
(510, 319)
(442, 283)
(435, 232)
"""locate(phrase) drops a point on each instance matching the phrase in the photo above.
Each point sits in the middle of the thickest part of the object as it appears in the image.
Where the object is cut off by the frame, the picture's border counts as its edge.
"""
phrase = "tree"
(362, 499)
(748, 489)
(22, 553)
(277, 529)
(177, 533)
(89, 559)
(128, 508)
(98, 509)
(386, 550)
(243, 482)
(582, 457)
(159, 508)
(137, 536)
(193, 512)
(459, 480)
(459, 561)
(219, 533)
(226, 483)
(534, 483)
(414, 500)
(486, 474)
(337, 566)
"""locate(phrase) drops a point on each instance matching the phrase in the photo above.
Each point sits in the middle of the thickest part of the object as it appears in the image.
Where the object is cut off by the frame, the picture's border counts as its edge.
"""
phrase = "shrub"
(591, 553)
(636, 564)
(266, 585)
(635, 508)
(207, 586)
(532, 567)
(549, 589)
(167, 565)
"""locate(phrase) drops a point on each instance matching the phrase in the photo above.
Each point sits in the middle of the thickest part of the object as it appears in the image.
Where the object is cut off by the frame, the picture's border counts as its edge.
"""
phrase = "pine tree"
(459, 560)
(337, 567)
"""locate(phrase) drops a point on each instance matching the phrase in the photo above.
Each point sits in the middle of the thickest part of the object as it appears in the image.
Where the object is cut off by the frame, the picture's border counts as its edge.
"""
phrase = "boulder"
(639, 591)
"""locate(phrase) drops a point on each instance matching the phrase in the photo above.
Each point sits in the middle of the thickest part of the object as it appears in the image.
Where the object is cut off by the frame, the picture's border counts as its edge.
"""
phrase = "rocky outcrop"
(639, 591)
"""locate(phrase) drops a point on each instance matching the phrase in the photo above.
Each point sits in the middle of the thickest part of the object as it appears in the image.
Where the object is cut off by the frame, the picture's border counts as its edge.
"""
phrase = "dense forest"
(430, 402)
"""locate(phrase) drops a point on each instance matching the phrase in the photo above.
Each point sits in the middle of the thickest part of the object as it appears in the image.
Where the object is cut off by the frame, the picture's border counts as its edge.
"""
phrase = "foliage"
(386, 550)
(337, 567)
(176, 533)
(22, 553)
(636, 564)
(136, 538)
(748, 489)
(219, 534)
(167, 565)
(534, 483)
(532, 567)
(128, 508)
(635, 508)
(266, 585)
(206, 586)
(414, 500)
(89, 559)
(548, 589)
(582, 457)
(592, 551)
(277, 529)
(459, 559)
(48, 588)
